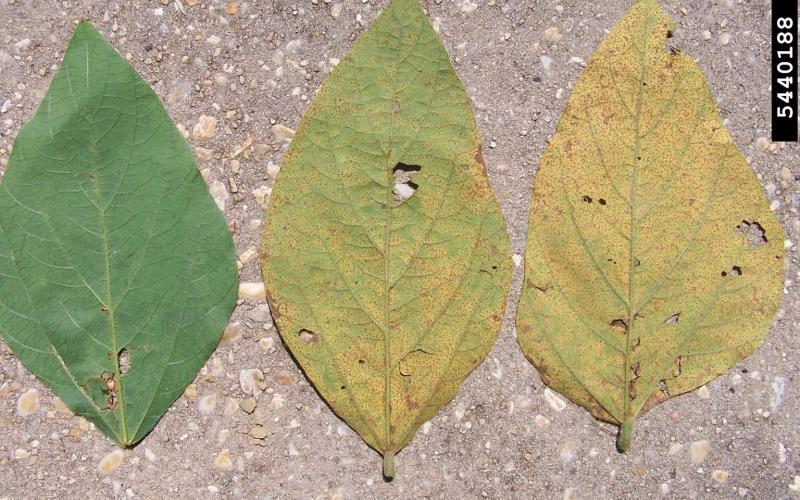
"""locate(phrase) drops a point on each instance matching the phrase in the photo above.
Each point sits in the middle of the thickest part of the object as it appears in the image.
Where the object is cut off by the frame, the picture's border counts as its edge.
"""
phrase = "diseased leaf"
(385, 254)
(653, 263)
(117, 272)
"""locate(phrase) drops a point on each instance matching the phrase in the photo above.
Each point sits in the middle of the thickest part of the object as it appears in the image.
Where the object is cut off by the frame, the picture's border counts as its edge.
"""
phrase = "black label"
(784, 70)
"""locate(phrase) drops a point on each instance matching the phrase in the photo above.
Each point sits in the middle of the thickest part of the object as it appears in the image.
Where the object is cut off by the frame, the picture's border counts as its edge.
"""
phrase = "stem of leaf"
(624, 437)
(388, 465)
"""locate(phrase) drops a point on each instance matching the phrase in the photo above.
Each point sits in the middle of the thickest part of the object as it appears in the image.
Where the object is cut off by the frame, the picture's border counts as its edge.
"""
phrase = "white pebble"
(252, 381)
(252, 290)
(554, 400)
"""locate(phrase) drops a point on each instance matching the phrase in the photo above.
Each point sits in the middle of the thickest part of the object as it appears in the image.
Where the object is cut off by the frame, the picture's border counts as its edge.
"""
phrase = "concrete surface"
(500, 438)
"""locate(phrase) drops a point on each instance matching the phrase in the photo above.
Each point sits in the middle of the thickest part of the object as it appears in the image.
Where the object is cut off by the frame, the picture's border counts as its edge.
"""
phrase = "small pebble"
(190, 393)
(248, 255)
(517, 258)
(258, 432)
(261, 151)
(207, 403)
(252, 381)
(110, 462)
(28, 403)
(231, 405)
(223, 460)
(699, 450)
(253, 290)
(702, 392)
(468, 7)
(260, 313)
(554, 400)
(283, 134)
(541, 421)
(204, 129)
(553, 34)
(203, 154)
(720, 476)
(232, 333)
(248, 405)
(220, 194)
(725, 39)
(762, 144)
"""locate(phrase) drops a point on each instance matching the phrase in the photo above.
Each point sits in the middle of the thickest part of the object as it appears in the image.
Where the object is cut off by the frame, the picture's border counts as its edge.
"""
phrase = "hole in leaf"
(586, 198)
(662, 385)
(124, 361)
(361, 361)
(620, 325)
(670, 34)
(404, 187)
(601, 201)
(677, 367)
(754, 232)
(736, 271)
(307, 336)
(673, 319)
(636, 262)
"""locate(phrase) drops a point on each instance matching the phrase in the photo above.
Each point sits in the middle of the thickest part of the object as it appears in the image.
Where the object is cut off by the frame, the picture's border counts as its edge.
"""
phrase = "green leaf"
(117, 271)
(653, 263)
(387, 301)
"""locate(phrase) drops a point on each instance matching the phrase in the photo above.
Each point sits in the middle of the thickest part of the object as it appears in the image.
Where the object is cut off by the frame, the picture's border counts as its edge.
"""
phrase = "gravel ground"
(255, 65)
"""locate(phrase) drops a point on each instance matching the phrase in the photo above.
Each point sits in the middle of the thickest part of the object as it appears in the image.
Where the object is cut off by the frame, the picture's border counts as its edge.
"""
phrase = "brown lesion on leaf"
(109, 388)
(410, 403)
(636, 370)
(273, 308)
(656, 397)
(479, 159)
(541, 288)
(413, 360)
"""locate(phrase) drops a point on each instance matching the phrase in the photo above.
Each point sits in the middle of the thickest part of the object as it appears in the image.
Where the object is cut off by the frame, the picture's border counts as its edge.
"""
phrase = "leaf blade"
(636, 231)
(375, 326)
(100, 193)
